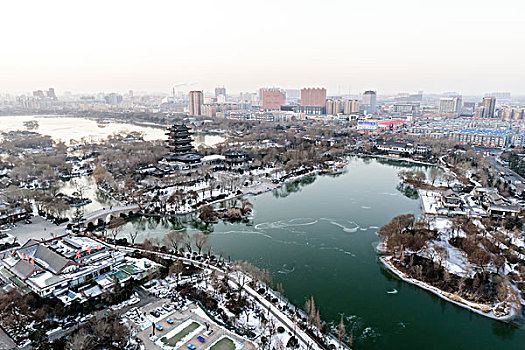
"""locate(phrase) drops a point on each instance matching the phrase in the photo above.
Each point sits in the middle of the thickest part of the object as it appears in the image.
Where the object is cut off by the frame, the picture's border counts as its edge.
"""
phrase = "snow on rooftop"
(212, 157)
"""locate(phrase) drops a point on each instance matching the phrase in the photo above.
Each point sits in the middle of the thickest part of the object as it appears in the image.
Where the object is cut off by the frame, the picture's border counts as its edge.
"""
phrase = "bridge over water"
(104, 215)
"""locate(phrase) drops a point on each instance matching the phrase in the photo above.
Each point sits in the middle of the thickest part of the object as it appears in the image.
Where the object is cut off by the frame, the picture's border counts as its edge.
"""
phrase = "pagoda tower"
(179, 144)
(179, 140)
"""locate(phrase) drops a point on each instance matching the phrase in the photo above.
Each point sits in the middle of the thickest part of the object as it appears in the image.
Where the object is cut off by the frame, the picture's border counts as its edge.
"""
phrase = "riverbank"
(408, 160)
(481, 309)
(263, 186)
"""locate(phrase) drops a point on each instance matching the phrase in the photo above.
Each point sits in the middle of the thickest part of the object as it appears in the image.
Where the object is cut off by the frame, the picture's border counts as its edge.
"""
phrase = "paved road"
(6, 343)
(510, 175)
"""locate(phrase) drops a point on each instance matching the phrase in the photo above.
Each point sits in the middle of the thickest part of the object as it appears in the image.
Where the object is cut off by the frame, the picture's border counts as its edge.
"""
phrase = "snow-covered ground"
(250, 318)
(430, 200)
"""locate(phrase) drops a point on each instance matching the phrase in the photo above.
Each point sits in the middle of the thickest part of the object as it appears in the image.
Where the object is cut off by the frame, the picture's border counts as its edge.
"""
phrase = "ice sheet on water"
(286, 269)
(243, 232)
(390, 193)
(345, 225)
(283, 224)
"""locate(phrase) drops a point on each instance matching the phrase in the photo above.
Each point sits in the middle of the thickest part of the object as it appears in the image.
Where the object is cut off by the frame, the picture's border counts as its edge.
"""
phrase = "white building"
(53, 267)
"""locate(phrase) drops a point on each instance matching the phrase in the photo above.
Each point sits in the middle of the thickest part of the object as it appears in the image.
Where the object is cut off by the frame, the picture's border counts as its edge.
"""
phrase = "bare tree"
(81, 340)
(80, 188)
(341, 332)
(434, 174)
(442, 254)
(280, 290)
(173, 239)
(200, 240)
(187, 241)
(176, 269)
(132, 236)
(116, 224)
(267, 279)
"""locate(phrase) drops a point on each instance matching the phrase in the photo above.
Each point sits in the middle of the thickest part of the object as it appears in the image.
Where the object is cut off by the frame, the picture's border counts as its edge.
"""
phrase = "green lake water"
(318, 237)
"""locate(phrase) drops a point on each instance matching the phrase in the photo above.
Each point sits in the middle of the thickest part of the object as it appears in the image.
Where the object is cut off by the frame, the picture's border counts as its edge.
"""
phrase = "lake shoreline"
(408, 160)
(474, 307)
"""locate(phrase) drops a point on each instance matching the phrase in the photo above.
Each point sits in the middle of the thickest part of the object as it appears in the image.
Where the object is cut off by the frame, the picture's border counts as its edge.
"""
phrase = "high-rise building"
(220, 91)
(333, 107)
(450, 105)
(315, 97)
(338, 107)
(51, 94)
(39, 94)
(272, 98)
(329, 107)
(369, 101)
(221, 99)
(351, 107)
(113, 98)
(489, 107)
(209, 110)
(511, 112)
(313, 101)
(196, 102)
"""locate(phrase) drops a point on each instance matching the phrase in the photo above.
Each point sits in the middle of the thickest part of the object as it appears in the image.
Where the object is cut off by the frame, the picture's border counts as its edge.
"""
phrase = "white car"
(25, 343)
(86, 318)
(133, 301)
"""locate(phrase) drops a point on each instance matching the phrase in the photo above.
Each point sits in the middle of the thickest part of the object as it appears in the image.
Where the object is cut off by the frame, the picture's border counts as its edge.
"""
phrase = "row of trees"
(178, 241)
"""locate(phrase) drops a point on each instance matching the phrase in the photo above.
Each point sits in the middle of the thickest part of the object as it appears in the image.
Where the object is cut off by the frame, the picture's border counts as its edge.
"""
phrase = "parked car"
(133, 301)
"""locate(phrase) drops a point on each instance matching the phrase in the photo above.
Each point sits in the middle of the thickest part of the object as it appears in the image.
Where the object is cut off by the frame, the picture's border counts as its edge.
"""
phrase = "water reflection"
(98, 199)
(504, 330)
(293, 187)
(408, 191)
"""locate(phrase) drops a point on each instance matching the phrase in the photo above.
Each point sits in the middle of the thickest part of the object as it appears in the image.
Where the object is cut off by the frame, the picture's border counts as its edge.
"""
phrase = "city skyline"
(239, 175)
(387, 47)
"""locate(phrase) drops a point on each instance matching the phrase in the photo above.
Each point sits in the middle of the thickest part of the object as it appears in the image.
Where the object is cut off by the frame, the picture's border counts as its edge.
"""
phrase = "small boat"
(102, 123)
(31, 124)
(394, 291)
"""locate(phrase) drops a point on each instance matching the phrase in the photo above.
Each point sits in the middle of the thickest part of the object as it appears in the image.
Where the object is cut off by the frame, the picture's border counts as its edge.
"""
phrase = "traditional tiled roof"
(23, 269)
(44, 256)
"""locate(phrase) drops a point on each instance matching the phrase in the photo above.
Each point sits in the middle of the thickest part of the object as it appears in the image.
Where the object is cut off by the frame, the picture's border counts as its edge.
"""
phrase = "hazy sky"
(467, 46)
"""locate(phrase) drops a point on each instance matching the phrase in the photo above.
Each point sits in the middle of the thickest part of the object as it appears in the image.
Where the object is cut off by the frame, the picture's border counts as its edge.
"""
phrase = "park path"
(307, 340)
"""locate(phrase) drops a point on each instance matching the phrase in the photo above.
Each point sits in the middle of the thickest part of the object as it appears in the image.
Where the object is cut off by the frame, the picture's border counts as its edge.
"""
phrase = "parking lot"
(210, 331)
